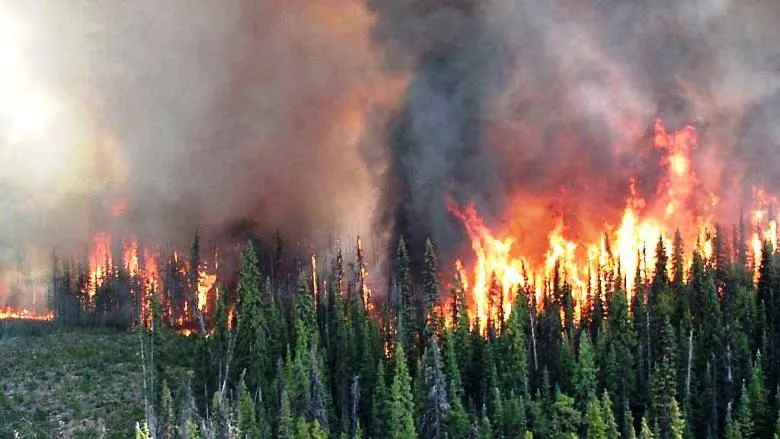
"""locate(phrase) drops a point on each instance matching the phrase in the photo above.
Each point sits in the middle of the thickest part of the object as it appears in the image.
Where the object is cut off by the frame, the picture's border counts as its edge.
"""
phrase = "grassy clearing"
(76, 384)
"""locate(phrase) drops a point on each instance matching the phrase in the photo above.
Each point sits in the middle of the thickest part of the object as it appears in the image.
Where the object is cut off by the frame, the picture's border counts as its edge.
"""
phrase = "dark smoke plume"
(437, 139)
(545, 108)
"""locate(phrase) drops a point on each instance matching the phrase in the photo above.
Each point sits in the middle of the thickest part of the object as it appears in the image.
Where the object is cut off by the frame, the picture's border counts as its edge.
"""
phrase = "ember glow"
(13, 314)
(618, 252)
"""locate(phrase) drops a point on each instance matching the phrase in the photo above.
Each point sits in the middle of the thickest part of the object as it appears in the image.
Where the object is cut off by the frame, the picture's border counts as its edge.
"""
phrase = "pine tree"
(247, 417)
(630, 431)
(167, 420)
(565, 419)
(594, 421)
(142, 431)
(301, 428)
(515, 423)
(251, 348)
(461, 322)
(677, 421)
(379, 403)
(611, 427)
(485, 427)
(645, 432)
(733, 429)
(286, 422)
(744, 423)
(758, 400)
(458, 422)
(515, 348)
(437, 405)
(400, 419)
(319, 407)
(433, 317)
(317, 432)
(664, 382)
(405, 325)
(585, 374)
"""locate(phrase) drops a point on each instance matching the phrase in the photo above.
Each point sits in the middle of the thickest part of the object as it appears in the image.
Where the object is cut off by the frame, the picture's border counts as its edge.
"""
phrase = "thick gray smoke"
(167, 117)
(194, 114)
(437, 145)
(553, 102)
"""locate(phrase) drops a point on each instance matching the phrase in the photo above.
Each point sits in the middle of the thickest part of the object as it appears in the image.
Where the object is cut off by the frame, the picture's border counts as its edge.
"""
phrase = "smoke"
(167, 117)
(538, 110)
(330, 118)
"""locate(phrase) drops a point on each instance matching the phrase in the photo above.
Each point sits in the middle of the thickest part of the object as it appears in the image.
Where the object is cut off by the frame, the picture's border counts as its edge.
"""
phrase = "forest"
(692, 351)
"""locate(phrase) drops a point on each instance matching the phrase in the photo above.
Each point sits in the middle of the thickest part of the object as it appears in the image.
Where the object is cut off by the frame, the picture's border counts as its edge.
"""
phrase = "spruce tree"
(594, 420)
(400, 418)
(733, 429)
(403, 278)
(565, 419)
(430, 275)
(437, 404)
(744, 421)
(585, 374)
(251, 348)
(677, 422)
(166, 418)
(645, 432)
(610, 425)
(286, 422)
(758, 400)
(247, 416)
(379, 403)
(516, 349)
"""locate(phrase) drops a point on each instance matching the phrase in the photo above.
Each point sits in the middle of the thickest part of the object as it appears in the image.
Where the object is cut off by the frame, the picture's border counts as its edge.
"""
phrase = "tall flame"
(680, 204)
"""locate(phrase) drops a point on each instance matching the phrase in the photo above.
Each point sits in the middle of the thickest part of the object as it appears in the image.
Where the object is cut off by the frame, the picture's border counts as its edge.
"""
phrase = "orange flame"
(680, 203)
(9, 313)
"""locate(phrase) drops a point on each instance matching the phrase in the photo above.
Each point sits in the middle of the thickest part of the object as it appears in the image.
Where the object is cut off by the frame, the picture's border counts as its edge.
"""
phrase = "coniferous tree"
(594, 421)
(405, 324)
(645, 432)
(758, 400)
(514, 416)
(437, 405)
(251, 348)
(743, 422)
(515, 348)
(461, 322)
(433, 317)
(619, 362)
(380, 403)
(565, 419)
(676, 422)
(286, 422)
(585, 374)
(166, 418)
(247, 415)
(733, 429)
(610, 425)
(400, 417)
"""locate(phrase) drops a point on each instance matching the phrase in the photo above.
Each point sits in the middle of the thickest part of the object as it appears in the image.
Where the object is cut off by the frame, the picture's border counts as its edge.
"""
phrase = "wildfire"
(206, 282)
(680, 203)
(13, 314)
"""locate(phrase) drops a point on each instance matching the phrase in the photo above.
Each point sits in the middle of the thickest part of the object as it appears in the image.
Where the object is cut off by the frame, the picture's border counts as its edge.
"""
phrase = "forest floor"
(71, 384)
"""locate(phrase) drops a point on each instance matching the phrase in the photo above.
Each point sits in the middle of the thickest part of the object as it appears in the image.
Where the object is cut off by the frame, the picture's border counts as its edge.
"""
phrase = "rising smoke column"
(436, 142)
(544, 110)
